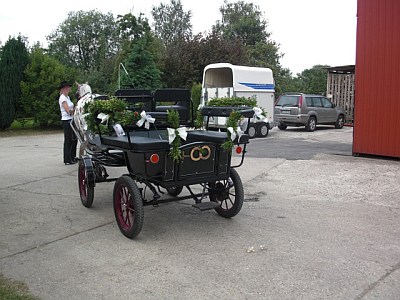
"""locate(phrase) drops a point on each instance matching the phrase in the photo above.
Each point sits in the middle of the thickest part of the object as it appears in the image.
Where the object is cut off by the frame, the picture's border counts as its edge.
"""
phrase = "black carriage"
(146, 154)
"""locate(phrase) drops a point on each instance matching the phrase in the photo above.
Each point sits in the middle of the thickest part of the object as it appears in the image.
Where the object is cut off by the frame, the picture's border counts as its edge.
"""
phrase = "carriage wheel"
(86, 181)
(128, 206)
(229, 194)
(175, 191)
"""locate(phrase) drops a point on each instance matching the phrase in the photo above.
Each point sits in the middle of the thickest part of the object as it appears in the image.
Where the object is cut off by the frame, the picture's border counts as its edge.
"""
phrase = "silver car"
(297, 109)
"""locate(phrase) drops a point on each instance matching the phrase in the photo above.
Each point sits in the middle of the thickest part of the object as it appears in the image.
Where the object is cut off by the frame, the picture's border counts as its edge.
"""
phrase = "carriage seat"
(138, 143)
(212, 136)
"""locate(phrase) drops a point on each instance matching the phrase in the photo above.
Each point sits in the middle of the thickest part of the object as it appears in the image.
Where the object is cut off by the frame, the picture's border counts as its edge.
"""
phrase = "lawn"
(27, 127)
(14, 290)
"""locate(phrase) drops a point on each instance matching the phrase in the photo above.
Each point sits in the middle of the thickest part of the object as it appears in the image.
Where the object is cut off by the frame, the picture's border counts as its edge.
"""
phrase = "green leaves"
(114, 108)
(244, 21)
(143, 72)
(232, 121)
(39, 89)
(173, 121)
(233, 101)
(13, 60)
(171, 22)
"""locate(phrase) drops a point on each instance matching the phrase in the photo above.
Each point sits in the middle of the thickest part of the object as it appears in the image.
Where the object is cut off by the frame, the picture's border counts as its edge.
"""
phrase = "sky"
(309, 32)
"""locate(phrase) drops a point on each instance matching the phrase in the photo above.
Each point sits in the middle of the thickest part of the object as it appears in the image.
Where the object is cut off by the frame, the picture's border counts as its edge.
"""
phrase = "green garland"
(234, 116)
(232, 121)
(115, 108)
(233, 101)
(226, 102)
(173, 121)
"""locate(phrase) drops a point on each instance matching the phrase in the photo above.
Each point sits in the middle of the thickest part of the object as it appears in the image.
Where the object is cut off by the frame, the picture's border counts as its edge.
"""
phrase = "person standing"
(67, 111)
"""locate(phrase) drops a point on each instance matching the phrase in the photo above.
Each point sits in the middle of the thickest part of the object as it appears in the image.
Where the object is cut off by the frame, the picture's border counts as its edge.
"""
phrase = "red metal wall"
(377, 79)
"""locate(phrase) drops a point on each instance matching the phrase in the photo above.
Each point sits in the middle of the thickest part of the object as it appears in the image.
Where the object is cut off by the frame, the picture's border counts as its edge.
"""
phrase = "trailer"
(224, 80)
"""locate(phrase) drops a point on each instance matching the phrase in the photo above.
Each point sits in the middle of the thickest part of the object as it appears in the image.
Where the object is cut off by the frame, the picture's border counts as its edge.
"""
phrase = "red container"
(377, 79)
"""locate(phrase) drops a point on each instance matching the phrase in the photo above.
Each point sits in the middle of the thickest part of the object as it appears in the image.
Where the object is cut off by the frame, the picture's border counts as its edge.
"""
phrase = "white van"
(226, 80)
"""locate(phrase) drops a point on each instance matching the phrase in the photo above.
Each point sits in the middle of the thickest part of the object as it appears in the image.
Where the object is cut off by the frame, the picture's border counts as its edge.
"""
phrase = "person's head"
(64, 87)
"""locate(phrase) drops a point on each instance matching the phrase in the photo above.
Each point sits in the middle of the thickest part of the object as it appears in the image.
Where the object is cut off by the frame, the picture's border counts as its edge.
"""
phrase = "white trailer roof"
(241, 78)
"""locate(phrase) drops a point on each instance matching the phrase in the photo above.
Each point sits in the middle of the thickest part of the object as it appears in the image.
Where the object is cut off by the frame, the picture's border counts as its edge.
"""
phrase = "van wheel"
(339, 122)
(311, 124)
(282, 126)
(252, 131)
(262, 130)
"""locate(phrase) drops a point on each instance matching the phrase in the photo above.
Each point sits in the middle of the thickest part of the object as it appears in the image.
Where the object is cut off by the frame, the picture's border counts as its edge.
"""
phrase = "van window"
(288, 100)
(317, 102)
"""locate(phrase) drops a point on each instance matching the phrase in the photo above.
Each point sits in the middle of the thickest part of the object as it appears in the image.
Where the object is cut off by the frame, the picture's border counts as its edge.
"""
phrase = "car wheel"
(339, 122)
(252, 131)
(311, 124)
(282, 126)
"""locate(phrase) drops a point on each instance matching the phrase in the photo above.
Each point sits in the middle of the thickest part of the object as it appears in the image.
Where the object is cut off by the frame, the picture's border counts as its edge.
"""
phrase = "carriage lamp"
(154, 158)
(239, 150)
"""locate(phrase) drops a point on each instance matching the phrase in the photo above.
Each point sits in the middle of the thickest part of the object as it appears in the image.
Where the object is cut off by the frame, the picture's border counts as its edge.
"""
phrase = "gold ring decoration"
(200, 153)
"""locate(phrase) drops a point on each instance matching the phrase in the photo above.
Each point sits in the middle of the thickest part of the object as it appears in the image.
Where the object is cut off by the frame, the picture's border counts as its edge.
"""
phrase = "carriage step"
(206, 205)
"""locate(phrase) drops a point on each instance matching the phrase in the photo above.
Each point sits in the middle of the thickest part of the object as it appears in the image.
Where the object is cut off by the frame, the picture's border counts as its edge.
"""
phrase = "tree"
(245, 22)
(131, 30)
(184, 63)
(313, 81)
(242, 21)
(131, 27)
(13, 61)
(287, 83)
(39, 89)
(142, 70)
(85, 39)
(172, 26)
(171, 22)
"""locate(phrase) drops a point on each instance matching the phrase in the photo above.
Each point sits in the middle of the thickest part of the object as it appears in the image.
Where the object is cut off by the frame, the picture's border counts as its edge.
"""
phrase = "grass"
(14, 290)
(22, 127)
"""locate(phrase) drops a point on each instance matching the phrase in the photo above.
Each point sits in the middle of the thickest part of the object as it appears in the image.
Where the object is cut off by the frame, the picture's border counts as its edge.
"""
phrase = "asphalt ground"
(317, 223)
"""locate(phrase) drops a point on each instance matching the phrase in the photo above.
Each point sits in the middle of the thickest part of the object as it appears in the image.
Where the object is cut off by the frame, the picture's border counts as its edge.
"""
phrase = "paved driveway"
(321, 226)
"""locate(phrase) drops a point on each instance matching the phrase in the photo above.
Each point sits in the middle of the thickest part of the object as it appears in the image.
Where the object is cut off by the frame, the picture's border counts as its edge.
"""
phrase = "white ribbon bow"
(103, 117)
(234, 133)
(258, 115)
(172, 133)
(146, 119)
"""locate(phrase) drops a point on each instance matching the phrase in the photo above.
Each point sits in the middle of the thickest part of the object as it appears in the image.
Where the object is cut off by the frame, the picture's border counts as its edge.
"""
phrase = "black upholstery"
(180, 100)
(225, 111)
(137, 100)
(138, 143)
(212, 136)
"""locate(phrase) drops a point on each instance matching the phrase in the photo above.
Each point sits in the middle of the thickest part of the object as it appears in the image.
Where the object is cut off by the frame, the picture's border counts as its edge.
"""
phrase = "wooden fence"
(340, 88)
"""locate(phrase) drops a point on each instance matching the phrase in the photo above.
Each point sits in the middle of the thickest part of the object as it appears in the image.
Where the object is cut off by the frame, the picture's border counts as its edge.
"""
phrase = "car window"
(326, 103)
(285, 100)
(309, 102)
(317, 102)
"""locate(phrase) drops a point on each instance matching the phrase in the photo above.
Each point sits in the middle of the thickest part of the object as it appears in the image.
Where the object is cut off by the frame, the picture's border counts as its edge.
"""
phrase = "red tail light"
(239, 149)
(300, 101)
(154, 158)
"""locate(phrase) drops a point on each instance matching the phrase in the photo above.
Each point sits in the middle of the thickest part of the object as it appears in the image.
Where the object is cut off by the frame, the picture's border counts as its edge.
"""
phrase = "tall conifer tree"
(13, 61)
